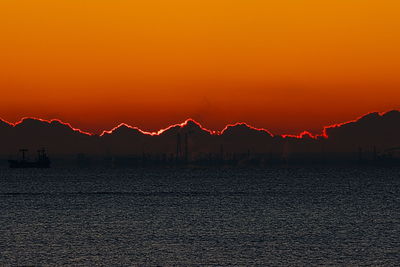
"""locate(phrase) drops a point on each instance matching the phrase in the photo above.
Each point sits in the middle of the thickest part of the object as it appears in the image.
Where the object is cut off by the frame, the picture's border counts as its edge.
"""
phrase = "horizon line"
(301, 135)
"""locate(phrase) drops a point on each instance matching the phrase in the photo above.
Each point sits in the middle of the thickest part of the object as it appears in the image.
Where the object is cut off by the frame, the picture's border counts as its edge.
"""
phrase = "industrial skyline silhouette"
(371, 136)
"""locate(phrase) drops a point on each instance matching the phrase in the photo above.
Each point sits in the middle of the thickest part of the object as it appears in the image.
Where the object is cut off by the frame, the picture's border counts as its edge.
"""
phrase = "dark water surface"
(295, 216)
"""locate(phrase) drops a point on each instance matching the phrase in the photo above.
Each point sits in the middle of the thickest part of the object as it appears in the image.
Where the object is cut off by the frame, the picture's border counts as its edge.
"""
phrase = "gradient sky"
(285, 65)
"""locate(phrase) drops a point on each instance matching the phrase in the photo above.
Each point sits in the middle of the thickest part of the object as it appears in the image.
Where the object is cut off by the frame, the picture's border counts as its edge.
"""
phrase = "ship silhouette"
(42, 160)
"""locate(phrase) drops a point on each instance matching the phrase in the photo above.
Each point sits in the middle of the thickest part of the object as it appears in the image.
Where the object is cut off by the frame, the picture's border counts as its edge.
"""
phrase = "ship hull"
(26, 164)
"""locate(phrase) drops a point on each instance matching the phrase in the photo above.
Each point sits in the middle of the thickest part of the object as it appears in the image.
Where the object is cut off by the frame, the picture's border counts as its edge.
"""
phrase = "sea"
(278, 216)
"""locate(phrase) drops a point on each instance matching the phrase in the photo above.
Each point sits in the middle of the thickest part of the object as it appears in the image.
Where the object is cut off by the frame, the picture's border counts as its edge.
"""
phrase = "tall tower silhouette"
(178, 147)
(186, 148)
(23, 151)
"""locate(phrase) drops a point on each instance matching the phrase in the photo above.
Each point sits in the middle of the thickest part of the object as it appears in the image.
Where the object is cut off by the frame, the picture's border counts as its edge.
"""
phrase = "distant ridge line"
(303, 134)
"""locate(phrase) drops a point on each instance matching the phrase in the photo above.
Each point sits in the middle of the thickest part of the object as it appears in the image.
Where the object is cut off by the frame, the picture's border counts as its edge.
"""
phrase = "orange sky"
(284, 65)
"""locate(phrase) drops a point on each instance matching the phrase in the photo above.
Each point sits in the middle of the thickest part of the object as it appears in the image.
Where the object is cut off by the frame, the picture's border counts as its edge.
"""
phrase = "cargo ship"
(42, 160)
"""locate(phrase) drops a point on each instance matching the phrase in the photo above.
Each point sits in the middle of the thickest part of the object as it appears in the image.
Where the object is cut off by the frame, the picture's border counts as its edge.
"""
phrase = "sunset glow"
(286, 66)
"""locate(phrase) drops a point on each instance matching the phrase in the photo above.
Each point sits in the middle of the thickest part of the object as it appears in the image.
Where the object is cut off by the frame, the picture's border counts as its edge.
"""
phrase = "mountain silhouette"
(244, 138)
(56, 136)
(373, 132)
(381, 131)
